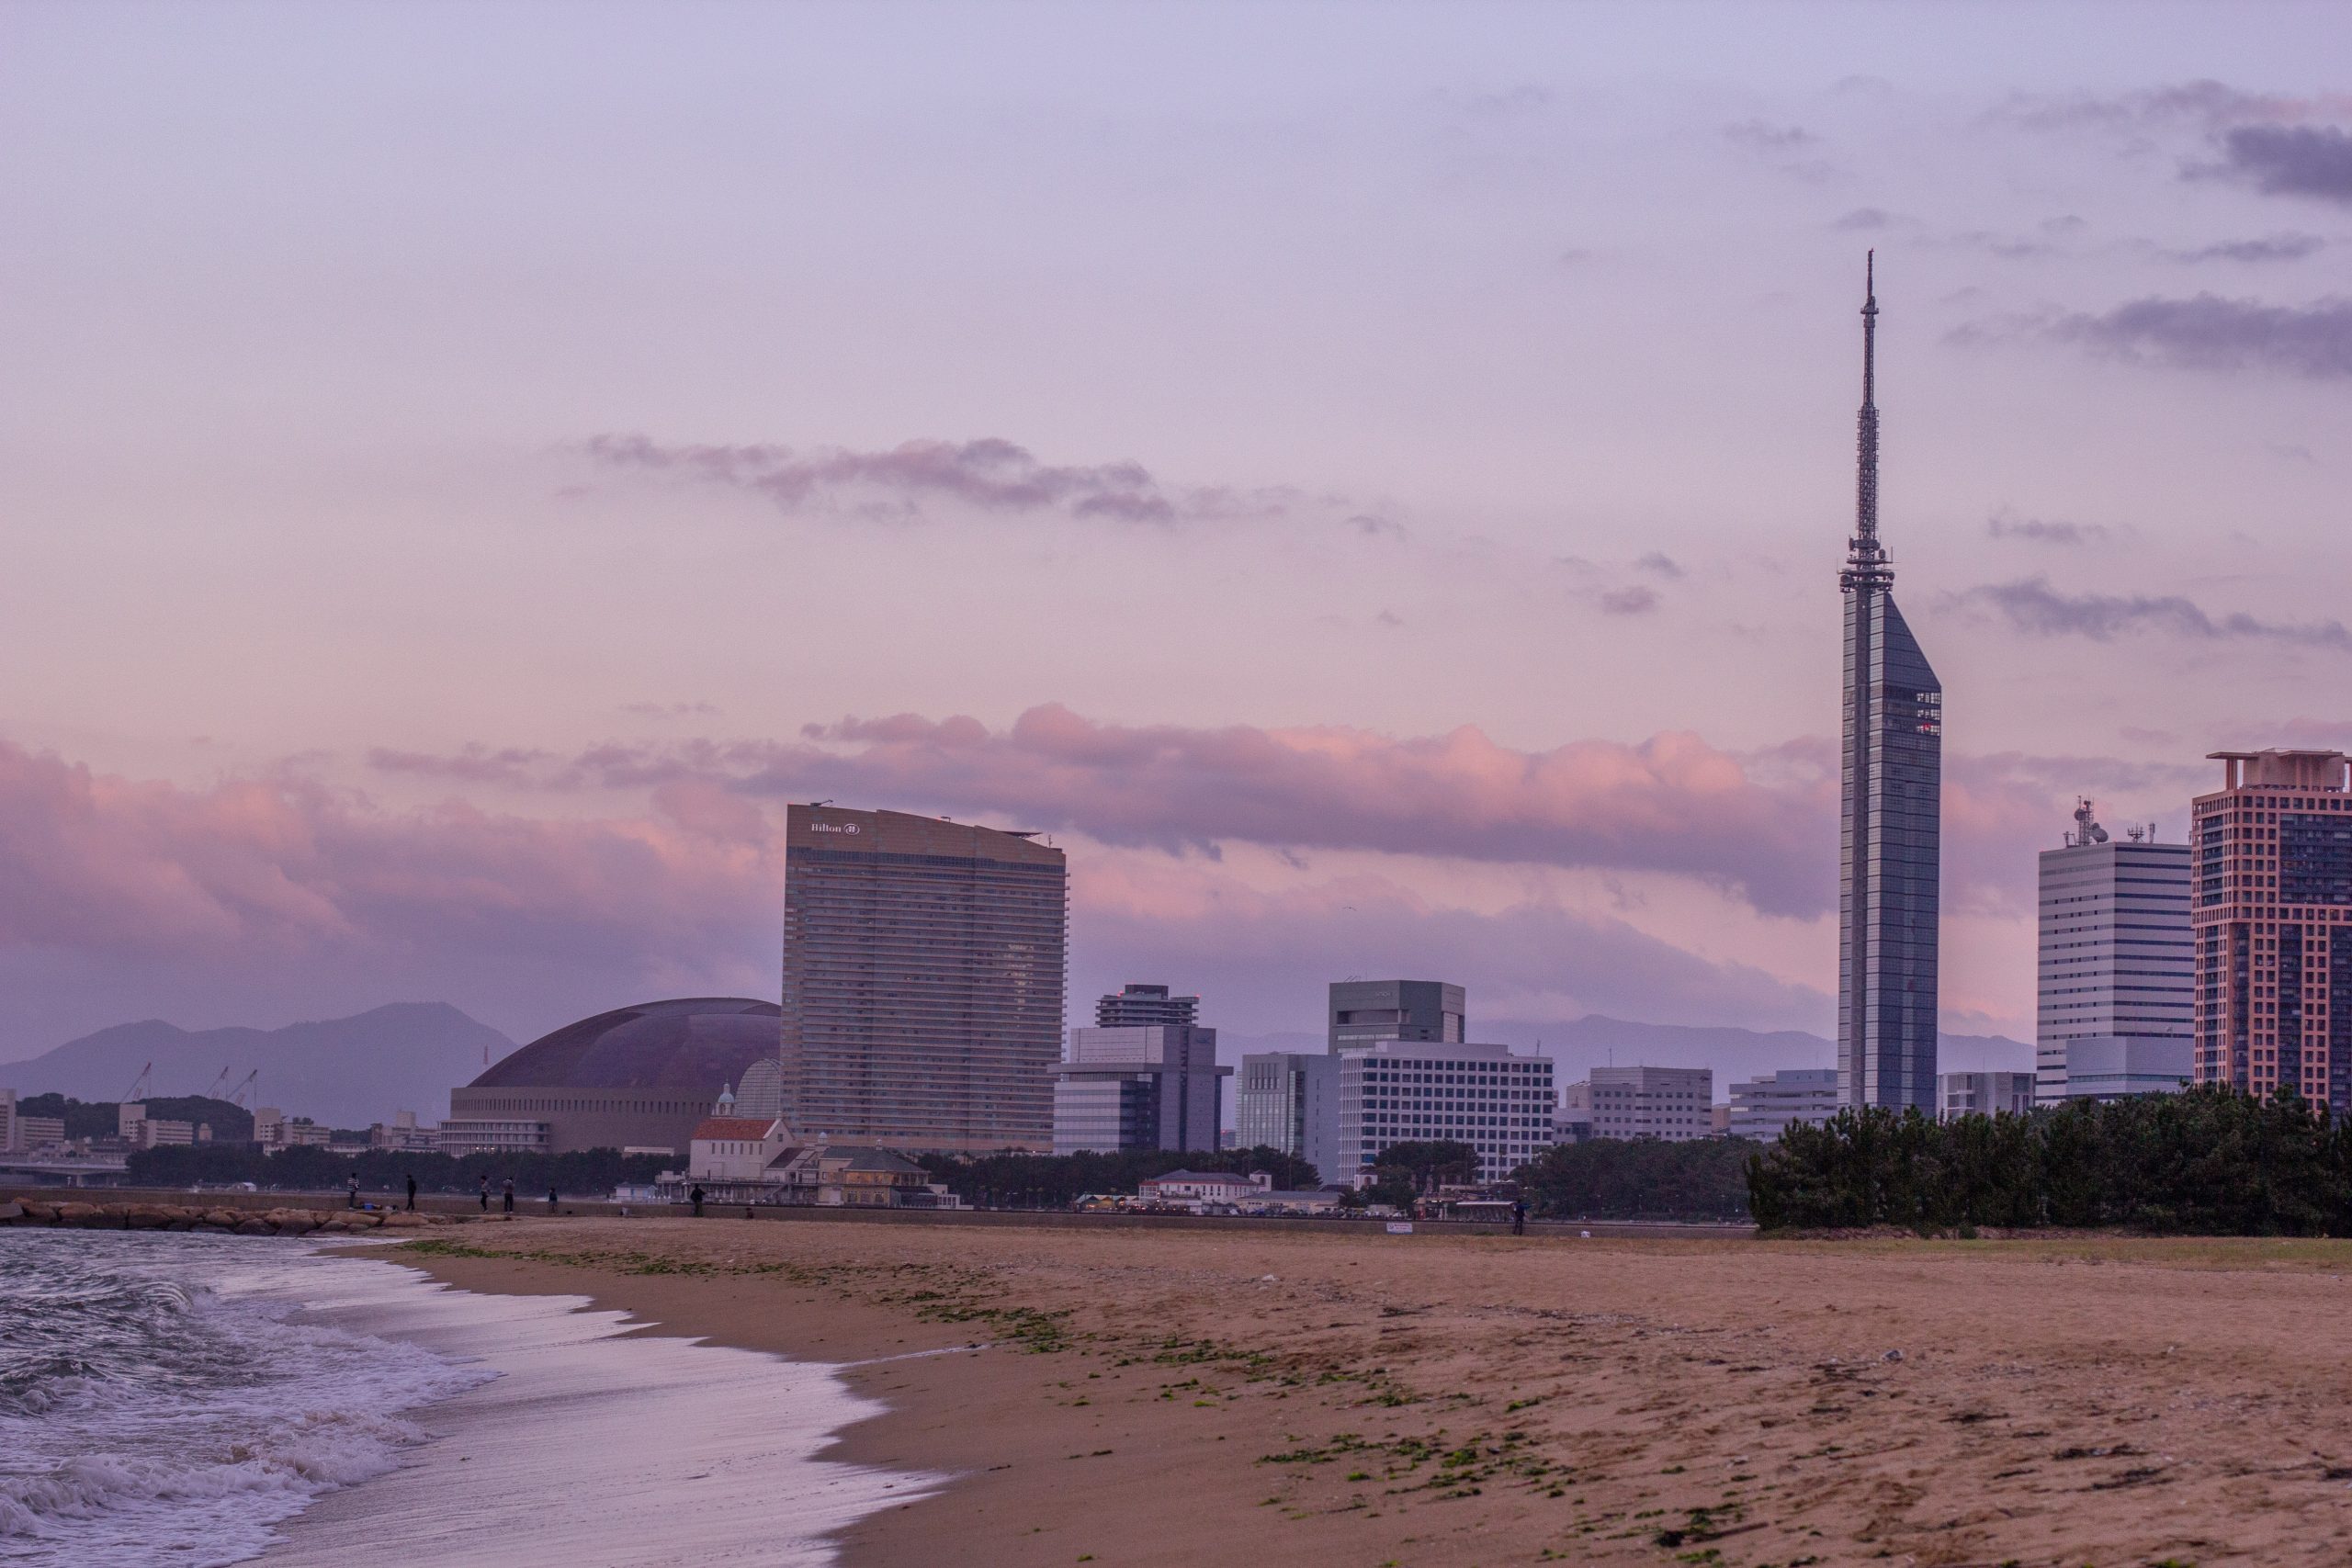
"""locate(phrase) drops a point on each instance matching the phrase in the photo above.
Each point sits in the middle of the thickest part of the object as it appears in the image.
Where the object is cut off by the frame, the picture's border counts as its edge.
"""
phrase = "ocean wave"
(144, 1411)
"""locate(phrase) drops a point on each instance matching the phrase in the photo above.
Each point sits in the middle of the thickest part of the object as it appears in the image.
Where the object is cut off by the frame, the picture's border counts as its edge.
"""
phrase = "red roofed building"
(736, 1148)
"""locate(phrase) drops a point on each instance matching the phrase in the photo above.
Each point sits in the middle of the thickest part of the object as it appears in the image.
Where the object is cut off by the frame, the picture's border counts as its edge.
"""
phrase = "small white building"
(1673, 1105)
(1983, 1094)
(1204, 1186)
(736, 1148)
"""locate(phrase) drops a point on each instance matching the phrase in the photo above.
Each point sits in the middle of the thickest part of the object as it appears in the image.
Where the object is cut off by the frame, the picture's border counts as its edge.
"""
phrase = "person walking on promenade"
(1519, 1218)
(550, 1196)
(412, 1195)
(508, 1199)
(485, 1194)
(697, 1196)
(351, 1190)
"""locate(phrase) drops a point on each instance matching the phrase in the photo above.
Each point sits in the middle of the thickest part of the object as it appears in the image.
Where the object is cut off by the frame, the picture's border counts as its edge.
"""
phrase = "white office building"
(1764, 1106)
(2117, 964)
(1671, 1104)
(1399, 1092)
(1983, 1094)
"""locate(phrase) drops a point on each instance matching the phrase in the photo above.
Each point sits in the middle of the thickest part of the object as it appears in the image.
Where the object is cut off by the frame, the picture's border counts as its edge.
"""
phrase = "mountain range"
(343, 1072)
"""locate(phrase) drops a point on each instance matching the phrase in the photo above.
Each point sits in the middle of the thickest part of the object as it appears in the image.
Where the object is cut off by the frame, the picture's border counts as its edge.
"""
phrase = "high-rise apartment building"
(2274, 950)
(1399, 1092)
(1366, 1010)
(1290, 1100)
(1763, 1108)
(924, 967)
(1983, 1094)
(1138, 1087)
(1133, 1007)
(1890, 816)
(2117, 969)
(1670, 1104)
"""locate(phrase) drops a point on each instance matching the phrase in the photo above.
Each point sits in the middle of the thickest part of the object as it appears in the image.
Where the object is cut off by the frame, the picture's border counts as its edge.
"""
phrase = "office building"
(1572, 1118)
(1133, 1006)
(9, 1132)
(2108, 1067)
(1670, 1104)
(924, 968)
(140, 1130)
(1889, 822)
(1290, 1100)
(1141, 1087)
(2118, 960)
(1366, 1010)
(405, 1135)
(1763, 1108)
(2274, 954)
(1983, 1094)
(1401, 1091)
(636, 1079)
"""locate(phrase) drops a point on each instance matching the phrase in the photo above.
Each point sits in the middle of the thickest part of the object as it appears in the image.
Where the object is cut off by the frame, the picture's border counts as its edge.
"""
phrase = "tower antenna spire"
(1867, 567)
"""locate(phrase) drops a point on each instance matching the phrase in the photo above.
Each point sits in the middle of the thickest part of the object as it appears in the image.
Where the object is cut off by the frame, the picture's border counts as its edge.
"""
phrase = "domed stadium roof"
(695, 1042)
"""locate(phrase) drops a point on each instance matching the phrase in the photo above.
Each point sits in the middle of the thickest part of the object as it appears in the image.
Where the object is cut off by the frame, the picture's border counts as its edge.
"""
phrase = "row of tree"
(2207, 1161)
(1055, 1181)
(1640, 1178)
(312, 1168)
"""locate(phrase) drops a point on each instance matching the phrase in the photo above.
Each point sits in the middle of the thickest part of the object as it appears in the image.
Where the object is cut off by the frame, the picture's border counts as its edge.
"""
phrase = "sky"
(1369, 479)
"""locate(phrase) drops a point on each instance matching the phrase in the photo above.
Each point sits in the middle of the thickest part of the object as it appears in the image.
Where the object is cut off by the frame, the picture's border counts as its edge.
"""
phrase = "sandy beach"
(1144, 1397)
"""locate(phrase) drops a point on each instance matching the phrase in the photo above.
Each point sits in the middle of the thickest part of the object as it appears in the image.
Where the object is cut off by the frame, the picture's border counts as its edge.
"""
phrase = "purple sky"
(1368, 479)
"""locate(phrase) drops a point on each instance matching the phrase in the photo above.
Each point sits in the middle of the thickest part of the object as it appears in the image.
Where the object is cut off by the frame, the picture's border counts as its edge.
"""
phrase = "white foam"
(323, 1408)
(591, 1448)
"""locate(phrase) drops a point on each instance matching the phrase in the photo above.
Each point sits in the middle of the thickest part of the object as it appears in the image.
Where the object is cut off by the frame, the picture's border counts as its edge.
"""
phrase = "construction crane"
(251, 1087)
(213, 1089)
(138, 1084)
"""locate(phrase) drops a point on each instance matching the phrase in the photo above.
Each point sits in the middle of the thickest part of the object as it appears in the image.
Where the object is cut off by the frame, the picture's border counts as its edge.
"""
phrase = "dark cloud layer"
(2044, 531)
(2289, 160)
(2209, 333)
(2268, 248)
(2033, 606)
(988, 475)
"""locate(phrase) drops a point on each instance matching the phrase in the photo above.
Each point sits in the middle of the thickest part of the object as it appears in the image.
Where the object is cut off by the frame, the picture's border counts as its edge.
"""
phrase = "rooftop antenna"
(2087, 829)
(1867, 567)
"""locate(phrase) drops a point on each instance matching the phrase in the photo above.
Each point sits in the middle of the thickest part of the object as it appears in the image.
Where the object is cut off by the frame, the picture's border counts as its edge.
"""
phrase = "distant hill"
(1736, 1054)
(342, 1072)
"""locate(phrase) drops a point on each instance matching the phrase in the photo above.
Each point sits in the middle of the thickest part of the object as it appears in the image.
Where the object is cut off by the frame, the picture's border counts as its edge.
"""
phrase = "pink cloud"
(1672, 803)
(105, 865)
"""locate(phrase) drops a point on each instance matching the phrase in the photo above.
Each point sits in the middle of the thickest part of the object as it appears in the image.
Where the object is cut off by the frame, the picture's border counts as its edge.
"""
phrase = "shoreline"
(1179, 1397)
(582, 1436)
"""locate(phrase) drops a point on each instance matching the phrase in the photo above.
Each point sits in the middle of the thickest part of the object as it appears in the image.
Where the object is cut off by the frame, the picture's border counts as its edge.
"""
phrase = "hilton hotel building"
(924, 966)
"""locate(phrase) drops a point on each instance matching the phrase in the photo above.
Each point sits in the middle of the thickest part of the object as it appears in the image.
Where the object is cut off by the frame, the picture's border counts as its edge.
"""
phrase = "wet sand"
(1187, 1397)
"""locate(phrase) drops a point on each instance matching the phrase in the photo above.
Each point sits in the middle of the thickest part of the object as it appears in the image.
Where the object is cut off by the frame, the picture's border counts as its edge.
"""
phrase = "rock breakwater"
(199, 1217)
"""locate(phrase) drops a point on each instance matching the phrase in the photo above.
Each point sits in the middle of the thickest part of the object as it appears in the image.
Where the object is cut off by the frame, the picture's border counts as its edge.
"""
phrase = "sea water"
(157, 1405)
(198, 1399)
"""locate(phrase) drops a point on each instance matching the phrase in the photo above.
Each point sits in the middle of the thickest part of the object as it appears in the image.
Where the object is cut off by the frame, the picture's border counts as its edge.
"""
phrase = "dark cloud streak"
(2031, 605)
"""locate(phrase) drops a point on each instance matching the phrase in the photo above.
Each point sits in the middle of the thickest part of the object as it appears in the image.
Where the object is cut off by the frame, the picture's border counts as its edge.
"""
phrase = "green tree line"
(1055, 1181)
(2209, 1161)
(582, 1173)
(1639, 1179)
